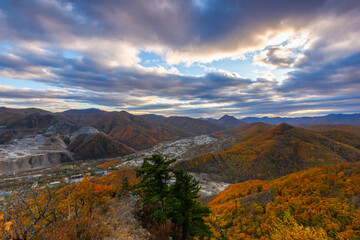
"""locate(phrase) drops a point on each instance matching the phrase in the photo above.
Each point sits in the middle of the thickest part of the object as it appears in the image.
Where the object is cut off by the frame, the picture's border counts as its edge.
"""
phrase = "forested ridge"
(269, 154)
(319, 203)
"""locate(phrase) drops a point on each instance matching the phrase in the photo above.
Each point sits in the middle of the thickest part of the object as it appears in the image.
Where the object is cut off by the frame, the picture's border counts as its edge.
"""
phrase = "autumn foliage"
(270, 154)
(109, 164)
(136, 131)
(66, 212)
(319, 203)
(97, 146)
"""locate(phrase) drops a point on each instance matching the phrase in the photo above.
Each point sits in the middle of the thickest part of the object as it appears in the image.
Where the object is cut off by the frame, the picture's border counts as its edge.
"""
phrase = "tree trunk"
(185, 230)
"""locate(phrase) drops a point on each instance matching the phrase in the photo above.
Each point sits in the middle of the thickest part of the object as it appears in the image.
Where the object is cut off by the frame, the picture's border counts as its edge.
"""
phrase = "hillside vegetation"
(349, 138)
(227, 121)
(319, 203)
(89, 209)
(34, 122)
(244, 132)
(125, 204)
(11, 115)
(94, 146)
(195, 126)
(136, 131)
(344, 127)
(271, 154)
(84, 117)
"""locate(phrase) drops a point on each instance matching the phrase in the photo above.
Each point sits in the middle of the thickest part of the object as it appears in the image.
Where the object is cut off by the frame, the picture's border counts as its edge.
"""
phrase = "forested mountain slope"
(136, 131)
(196, 126)
(272, 154)
(319, 203)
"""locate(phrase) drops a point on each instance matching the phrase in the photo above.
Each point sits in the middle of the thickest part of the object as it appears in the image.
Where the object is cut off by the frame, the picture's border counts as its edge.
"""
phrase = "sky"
(198, 58)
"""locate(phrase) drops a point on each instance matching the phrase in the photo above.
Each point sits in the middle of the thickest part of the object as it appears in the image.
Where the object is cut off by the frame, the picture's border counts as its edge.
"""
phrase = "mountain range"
(94, 133)
(288, 180)
(26, 135)
(196, 126)
(352, 119)
(270, 152)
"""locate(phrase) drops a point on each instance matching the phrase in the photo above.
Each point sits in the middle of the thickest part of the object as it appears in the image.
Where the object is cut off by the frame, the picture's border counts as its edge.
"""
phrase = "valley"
(62, 146)
(239, 168)
(70, 172)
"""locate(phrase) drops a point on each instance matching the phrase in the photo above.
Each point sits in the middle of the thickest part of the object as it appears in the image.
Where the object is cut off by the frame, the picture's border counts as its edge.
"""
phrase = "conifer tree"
(155, 173)
(183, 209)
(125, 185)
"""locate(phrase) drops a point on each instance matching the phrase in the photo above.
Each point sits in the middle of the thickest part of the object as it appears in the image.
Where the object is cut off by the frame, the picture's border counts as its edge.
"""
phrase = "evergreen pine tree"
(125, 185)
(183, 209)
(155, 173)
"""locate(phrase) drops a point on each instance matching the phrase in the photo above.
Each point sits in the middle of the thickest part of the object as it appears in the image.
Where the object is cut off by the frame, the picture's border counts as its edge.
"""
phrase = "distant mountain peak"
(225, 117)
(84, 111)
(124, 112)
(281, 128)
(229, 121)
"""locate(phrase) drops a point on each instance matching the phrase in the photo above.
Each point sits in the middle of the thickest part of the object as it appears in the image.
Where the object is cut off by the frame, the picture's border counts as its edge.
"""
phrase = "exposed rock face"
(82, 131)
(33, 152)
(29, 162)
(62, 128)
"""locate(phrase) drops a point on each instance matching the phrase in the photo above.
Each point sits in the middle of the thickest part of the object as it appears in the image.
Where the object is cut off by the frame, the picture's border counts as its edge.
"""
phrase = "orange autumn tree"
(116, 179)
(109, 164)
(81, 198)
(27, 213)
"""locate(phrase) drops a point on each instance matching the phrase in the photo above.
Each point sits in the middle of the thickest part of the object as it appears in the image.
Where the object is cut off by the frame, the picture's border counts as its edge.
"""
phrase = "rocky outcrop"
(35, 161)
(36, 152)
(62, 128)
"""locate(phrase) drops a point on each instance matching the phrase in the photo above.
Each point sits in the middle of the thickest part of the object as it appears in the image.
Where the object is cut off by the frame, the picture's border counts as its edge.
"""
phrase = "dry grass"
(122, 221)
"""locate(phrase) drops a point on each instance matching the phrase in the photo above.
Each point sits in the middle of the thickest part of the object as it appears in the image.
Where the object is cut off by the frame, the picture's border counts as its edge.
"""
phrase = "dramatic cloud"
(145, 56)
(278, 57)
(340, 76)
(182, 30)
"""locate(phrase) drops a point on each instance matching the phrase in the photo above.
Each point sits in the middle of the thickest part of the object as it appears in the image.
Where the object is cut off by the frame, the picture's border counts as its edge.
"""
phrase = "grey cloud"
(8, 61)
(169, 85)
(341, 76)
(29, 93)
(174, 23)
(183, 27)
(153, 107)
(266, 107)
(86, 75)
(273, 58)
(126, 88)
